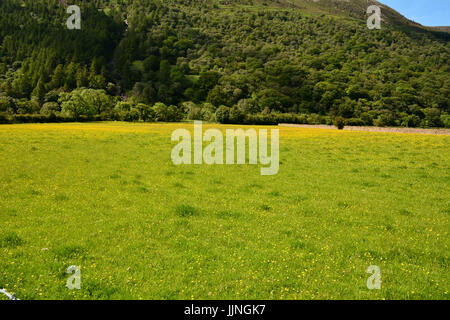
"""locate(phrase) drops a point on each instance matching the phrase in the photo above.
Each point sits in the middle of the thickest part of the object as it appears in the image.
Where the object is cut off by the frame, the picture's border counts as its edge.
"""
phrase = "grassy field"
(107, 198)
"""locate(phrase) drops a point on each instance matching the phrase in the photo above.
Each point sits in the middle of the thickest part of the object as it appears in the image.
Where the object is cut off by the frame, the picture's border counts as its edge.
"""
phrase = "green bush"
(174, 114)
(85, 103)
(146, 113)
(40, 118)
(411, 121)
(4, 118)
(223, 114)
(386, 119)
(133, 115)
(122, 106)
(354, 122)
(314, 119)
(432, 117)
(208, 112)
(5, 104)
(27, 107)
(106, 116)
(50, 107)
(367, 118)
(339, 122)
(161, 111)
(193, 111)
(260, 119)
(236, 115)
(445, 120)
(51, 96)
(248, 106)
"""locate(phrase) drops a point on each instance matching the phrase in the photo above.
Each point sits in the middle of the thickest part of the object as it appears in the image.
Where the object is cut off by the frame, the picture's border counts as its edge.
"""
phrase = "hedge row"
(248, 119)
(40, 118)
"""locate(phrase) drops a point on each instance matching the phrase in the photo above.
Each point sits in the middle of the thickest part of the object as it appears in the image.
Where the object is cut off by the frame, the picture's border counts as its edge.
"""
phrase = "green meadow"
(106, 197)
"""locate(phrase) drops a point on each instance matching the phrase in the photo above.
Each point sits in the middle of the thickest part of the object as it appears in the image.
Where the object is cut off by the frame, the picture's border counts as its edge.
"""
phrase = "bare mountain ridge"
(346, 8)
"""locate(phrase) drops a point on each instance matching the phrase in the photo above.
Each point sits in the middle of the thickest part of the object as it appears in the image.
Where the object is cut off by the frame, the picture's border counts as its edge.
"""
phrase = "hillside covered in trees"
(233, 61)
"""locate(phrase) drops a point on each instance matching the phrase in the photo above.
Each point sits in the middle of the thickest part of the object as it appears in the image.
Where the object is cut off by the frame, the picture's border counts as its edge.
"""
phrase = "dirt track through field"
(374, 129)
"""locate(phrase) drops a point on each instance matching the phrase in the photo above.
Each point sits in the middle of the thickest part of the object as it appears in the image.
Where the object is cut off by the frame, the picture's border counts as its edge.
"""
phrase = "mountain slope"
(442, 29)
(317, 60)
(347, 8)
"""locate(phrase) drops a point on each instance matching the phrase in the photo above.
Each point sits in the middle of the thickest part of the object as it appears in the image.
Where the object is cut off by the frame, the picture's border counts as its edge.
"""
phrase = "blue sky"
(425, 12)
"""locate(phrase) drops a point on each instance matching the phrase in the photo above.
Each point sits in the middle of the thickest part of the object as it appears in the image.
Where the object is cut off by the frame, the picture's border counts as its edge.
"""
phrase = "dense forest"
(227, 61)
